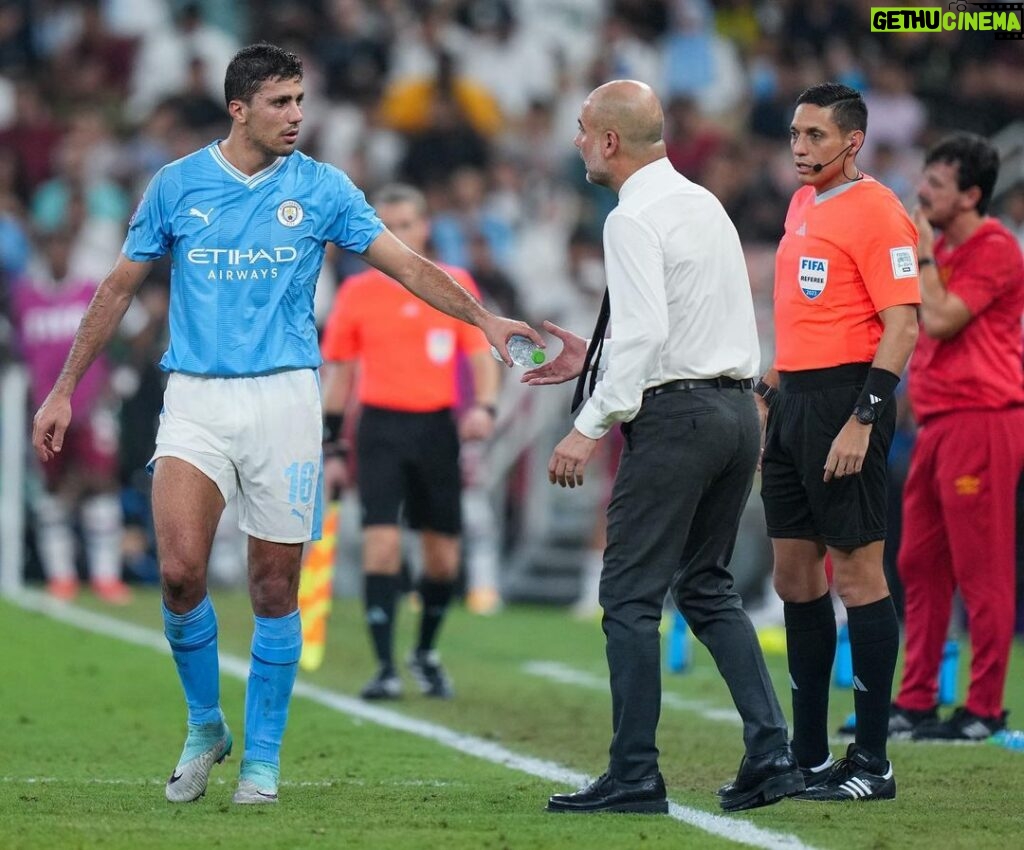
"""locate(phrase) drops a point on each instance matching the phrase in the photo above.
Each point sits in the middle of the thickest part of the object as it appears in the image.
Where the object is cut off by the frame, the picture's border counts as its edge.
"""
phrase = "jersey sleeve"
(341, 334)
(149, 235)
(997, 265)
(471, 339)
(884, 248)
(354, 224)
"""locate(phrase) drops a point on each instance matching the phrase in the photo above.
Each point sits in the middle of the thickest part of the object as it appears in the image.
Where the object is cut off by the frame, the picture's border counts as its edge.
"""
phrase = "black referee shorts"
(811, 408)
(409, 468)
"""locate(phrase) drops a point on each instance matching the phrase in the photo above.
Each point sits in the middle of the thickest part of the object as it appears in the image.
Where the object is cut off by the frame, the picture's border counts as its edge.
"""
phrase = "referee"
(846, 286)
(406, 354)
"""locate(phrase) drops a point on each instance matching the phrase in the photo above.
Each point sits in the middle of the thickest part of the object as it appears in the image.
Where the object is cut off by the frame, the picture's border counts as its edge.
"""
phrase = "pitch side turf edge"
(732, 829)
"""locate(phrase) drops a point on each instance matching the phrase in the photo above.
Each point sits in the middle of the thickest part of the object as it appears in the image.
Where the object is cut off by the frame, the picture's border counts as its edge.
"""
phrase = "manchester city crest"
(290, 213)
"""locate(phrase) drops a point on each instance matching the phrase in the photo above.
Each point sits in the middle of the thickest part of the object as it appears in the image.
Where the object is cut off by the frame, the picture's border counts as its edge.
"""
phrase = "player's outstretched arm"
(98, 324)
(441, 291)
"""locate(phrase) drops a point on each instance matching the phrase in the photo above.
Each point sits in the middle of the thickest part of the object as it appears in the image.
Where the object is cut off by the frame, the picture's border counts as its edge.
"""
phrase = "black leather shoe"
(608, 794)
(762, 780)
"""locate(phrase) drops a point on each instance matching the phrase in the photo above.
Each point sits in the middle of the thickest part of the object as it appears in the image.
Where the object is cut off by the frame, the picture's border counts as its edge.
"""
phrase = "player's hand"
(498, 330)
(925, 234)
(566, 366)
(50, 424)
(848, 450)
(477, 423)
(336, 477)
(569, 459)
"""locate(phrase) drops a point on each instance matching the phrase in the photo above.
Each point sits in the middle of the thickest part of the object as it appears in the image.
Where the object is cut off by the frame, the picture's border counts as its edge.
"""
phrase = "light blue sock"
(193, 640)
(276, 647)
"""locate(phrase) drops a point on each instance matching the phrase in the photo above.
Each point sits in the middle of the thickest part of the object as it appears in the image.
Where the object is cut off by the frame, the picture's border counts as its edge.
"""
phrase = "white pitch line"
(566, 675)
(732, 829)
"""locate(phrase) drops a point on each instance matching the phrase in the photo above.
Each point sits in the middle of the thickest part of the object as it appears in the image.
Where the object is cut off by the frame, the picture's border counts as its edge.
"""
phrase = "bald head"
(632, 110)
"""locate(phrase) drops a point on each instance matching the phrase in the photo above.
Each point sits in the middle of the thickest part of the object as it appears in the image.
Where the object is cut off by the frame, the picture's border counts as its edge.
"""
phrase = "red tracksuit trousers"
(959, 509)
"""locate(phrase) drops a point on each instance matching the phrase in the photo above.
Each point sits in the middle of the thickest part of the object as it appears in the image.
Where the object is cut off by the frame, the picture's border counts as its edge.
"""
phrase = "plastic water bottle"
(523, 351)
(1010, 739)
(679, 649)
(948, 672)
(843, 673)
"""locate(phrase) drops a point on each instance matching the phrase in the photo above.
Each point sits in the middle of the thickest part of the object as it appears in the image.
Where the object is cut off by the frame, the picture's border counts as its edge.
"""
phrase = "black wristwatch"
(766, 391)
(866, 414)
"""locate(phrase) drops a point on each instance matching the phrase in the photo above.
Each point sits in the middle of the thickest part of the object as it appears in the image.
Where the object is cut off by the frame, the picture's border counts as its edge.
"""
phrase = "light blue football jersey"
(246, 252)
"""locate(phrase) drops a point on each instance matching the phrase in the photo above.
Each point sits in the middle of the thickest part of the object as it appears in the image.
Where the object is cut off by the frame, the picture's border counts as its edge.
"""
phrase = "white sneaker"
(257, 784)
(206, 745)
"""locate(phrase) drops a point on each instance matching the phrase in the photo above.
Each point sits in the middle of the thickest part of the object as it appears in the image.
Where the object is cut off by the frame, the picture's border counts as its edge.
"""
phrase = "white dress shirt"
(680, 296)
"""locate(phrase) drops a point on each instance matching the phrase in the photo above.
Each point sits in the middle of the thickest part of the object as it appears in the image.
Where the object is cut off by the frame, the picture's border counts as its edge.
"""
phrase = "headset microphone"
(818, 166)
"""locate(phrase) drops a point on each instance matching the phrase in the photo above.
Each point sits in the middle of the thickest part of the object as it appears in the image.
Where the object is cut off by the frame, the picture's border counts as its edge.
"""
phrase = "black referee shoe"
(860, 777)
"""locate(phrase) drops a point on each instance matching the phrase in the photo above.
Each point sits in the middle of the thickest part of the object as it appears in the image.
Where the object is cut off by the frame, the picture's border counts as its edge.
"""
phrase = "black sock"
(435, 595)
(874, 644)
(380, 593)
(811, 649)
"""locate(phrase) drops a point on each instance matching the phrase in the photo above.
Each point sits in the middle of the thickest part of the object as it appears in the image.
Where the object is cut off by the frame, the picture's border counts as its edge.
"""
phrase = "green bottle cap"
(538, 356)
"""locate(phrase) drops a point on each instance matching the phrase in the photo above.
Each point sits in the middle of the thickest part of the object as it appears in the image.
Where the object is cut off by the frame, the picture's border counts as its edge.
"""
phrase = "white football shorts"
(258, 439)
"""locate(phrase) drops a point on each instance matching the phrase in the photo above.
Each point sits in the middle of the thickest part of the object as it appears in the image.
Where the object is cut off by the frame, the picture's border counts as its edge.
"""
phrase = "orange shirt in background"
(406, 349)
(846, 256)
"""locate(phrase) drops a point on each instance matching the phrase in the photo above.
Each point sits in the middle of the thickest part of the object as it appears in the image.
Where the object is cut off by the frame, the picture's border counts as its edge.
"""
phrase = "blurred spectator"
(82, 198)
(80, 484)
(690, 140)
(500, 55)
(468, 216)
(17, 51)
(34, 135)
(95, 63)
(163, 61)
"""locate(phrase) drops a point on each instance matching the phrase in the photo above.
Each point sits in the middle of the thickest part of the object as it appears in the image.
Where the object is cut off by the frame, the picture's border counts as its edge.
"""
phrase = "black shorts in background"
(807, 414)
(409, 467)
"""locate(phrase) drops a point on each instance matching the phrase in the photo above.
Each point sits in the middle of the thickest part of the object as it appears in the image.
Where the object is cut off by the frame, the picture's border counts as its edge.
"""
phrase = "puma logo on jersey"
(205, 216)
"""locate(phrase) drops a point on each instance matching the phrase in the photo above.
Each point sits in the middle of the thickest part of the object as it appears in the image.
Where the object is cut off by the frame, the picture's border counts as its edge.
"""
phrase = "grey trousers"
(684, 478)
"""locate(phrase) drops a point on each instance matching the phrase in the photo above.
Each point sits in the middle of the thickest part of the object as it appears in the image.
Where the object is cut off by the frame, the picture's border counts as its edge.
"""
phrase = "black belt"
(719, 383)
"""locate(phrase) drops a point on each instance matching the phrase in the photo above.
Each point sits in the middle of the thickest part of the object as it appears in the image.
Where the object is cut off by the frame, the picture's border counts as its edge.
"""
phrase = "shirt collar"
(646, 178)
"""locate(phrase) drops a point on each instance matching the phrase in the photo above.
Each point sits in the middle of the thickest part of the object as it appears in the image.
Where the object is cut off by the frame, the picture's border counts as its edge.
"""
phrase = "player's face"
(939, 194)
(407, 223)
(588, 143)
(814, 139)
(272, 117)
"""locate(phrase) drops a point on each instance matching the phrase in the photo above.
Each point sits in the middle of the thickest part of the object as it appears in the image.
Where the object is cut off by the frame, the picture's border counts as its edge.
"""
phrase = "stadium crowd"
(476, 103)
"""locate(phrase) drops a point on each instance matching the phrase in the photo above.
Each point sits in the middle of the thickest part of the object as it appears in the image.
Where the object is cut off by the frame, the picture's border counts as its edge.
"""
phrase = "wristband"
(878, 389)
(925, 261)
(766, 391)
(334, 424)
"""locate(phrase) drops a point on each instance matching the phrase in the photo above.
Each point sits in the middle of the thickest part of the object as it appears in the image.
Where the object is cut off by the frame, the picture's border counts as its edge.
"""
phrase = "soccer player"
(967, 395)
(845, 323)
(408, 444)
(246, 220)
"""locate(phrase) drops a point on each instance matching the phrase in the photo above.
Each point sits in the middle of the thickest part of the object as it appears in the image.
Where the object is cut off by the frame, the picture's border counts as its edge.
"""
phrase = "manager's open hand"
(566, 366)
(569, 459)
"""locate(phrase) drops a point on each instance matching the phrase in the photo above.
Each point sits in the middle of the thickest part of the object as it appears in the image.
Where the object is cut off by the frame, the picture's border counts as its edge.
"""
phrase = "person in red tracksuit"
(967, 393)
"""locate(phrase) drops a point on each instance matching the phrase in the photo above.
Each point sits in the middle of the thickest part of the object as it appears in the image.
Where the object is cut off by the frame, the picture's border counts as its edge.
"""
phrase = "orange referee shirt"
(846, 255)
(406, 349)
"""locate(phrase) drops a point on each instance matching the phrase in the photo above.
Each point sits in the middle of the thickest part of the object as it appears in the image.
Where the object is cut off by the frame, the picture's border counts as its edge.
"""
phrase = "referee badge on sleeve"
(904, 262)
